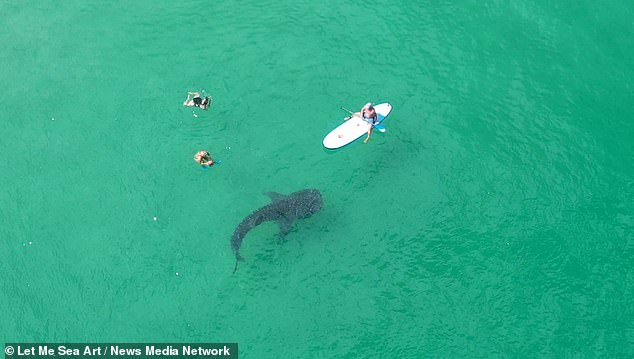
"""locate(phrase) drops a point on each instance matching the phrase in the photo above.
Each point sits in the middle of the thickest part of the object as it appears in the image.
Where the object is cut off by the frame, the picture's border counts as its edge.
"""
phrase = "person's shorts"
(369, 120)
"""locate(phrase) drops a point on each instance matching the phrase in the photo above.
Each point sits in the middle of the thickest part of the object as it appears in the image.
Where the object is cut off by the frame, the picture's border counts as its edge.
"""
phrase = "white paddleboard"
(354, 128)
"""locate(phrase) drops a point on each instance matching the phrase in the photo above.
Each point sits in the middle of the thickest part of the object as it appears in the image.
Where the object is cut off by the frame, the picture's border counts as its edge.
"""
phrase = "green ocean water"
(494, 218)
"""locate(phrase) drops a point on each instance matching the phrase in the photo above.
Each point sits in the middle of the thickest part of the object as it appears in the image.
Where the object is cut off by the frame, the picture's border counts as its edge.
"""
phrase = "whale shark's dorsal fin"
(275, 196)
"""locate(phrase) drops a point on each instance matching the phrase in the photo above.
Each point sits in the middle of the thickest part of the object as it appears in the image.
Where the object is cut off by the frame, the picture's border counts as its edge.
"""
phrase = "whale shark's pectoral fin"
(285, 226)
(275, 196)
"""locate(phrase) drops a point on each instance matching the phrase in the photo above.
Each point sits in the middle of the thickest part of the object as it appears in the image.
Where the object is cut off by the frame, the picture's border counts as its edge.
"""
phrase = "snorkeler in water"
(197, 100)
(203, 158)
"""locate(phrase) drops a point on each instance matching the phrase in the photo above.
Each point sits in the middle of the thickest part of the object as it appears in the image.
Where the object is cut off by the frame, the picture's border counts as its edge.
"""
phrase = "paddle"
(348, 111)
(379, 127)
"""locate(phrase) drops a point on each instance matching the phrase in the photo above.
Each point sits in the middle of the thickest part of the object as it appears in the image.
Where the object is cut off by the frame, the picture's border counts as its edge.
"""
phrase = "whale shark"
(284, 209)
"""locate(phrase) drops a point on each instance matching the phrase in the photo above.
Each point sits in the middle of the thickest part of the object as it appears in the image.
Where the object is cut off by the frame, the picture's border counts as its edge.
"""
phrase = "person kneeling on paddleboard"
(368, 113)
(197, 100)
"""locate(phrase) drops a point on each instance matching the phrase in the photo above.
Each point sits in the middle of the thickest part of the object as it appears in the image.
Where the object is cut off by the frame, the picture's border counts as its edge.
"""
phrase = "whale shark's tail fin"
(238, 259)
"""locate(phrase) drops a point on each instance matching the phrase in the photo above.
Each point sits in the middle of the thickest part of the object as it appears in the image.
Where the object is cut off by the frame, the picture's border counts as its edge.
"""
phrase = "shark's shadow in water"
(284, 209)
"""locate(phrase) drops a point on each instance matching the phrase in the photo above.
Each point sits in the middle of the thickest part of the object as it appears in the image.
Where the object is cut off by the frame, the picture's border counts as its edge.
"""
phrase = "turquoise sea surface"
(494, 218)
